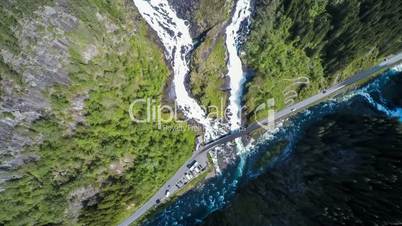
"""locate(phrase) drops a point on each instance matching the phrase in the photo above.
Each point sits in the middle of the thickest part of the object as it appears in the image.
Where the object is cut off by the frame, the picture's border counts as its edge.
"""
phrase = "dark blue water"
(382, 96)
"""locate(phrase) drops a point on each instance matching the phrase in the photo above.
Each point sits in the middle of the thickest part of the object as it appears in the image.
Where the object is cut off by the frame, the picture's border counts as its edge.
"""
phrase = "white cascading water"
(174, 33)
(235, 69)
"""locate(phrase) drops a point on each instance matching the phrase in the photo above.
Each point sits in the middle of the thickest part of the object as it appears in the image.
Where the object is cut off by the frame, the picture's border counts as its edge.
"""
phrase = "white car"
(188, 176)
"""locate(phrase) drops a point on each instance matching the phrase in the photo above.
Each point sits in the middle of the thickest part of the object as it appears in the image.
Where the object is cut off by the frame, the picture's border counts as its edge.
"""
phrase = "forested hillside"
(323, 40)
(69, 70)
(70, 154)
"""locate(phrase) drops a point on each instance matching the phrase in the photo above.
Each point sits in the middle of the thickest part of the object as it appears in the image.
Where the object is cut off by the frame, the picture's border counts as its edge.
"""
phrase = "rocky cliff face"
(68, 72)
(34, 63)
(186, 10)
(69, 69)
(202, 15)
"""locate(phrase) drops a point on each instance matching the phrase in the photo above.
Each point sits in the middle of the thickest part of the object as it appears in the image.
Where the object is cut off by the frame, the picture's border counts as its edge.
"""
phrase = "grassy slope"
(207, 79)
(322, 40)
(133, 68)
(212, 12)
(209, 65)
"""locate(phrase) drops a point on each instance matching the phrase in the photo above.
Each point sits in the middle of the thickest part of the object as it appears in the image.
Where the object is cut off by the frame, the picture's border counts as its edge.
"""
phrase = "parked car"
(200, 167)
(191, 164)
(188, 176)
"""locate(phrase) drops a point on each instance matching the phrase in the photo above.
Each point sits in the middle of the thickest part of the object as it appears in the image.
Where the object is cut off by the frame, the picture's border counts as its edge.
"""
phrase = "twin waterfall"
(174, 33)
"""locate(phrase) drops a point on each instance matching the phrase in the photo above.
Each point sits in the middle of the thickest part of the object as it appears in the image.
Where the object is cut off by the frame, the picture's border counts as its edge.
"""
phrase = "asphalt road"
(169, 185)
(288, 111)
(201, 154)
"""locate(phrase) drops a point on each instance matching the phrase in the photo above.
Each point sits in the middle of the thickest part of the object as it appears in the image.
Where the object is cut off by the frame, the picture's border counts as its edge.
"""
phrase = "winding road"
(288, 111)
(201, 154)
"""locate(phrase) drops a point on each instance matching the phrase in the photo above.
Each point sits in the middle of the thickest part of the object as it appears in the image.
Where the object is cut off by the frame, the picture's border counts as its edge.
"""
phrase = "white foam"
(174, 33)
(235, 69)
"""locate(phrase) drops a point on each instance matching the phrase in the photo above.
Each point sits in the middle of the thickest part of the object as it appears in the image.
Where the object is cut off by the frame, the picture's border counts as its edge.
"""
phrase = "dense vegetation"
(325, 41)
(9, 18)
(207, 77)
(212, 13)
(104, 167)
(345, 170)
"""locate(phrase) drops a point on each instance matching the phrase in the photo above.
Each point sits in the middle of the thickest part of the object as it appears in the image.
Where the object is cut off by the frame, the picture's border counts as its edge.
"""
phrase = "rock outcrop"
(39, 63)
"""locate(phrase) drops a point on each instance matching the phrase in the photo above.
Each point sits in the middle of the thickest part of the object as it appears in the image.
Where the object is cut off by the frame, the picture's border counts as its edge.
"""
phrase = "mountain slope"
(319, 41)
(70, 153)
